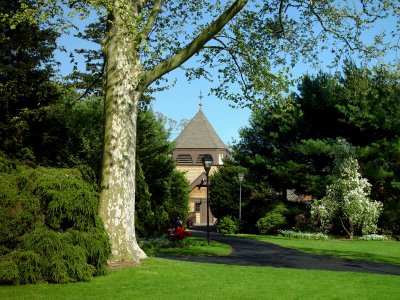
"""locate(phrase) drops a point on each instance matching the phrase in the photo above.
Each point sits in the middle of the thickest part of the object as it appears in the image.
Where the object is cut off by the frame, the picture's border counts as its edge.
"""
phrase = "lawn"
(159, 278)
(380, 251)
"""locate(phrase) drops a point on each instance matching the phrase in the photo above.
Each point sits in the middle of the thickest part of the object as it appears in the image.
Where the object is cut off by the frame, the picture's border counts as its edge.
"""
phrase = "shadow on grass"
(352, 255)
(329, 248)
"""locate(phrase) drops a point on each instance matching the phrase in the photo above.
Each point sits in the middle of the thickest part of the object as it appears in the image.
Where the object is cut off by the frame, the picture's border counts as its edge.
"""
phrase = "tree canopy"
(290, 143)
(26, 67)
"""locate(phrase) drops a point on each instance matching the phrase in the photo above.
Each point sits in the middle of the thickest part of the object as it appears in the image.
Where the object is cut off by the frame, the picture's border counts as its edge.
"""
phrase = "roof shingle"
(199, 134)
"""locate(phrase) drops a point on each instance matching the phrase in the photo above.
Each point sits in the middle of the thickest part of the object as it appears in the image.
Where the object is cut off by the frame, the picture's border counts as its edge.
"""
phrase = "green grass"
(164, 279)
(192, 246)
(379, 251)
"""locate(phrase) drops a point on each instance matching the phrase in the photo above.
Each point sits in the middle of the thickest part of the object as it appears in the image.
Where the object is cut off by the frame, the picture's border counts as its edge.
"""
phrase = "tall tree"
(144, 40)
(224, 191)
(162, 194)
(26, 67)
(291, 142)
(126, 82)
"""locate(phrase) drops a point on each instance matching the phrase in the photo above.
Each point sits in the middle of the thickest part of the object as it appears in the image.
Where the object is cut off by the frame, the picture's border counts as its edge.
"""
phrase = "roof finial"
(201, 101)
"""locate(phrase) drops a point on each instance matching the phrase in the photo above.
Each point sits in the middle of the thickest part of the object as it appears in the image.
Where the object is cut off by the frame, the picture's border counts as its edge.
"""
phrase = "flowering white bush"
(303, 235)
(373, 237)
(347, 197)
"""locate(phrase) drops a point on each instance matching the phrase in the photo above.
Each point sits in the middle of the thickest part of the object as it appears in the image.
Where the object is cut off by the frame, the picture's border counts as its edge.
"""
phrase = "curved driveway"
(255, 253)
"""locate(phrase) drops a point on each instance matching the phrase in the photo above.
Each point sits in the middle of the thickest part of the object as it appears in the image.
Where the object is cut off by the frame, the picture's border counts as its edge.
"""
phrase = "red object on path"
(180, 233)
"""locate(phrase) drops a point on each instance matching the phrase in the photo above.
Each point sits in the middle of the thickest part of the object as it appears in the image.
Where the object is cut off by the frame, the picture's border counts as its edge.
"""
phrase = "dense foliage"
(228, 225)
(162, 192)
(347, 198)
(290, 143)
(273, 220)
(258, 199)
(50, 229)
(25, 68)
(224, 191)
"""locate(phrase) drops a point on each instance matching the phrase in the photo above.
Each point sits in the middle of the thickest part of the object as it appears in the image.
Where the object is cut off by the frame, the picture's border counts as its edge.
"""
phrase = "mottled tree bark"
(117, 195)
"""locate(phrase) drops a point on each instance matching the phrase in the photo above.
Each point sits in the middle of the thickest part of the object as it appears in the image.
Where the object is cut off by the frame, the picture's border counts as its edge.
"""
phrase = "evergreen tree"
(163, 192)
(26, 67)
(290, 143)
(224, 191)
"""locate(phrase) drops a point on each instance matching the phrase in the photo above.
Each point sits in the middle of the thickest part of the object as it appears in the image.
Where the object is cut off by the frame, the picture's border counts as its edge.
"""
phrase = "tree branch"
(198, 42)
(334, 32)
(282, 29)
(152, 17)
(94, 82)
(344, 227)
(235, 60)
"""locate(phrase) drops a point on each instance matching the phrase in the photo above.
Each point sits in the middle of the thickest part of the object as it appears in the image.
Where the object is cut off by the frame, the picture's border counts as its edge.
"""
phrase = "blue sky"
(182, 100)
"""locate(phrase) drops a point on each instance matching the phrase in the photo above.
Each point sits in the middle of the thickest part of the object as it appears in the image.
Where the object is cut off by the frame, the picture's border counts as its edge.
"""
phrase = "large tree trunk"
(117, 195)
(125, 83)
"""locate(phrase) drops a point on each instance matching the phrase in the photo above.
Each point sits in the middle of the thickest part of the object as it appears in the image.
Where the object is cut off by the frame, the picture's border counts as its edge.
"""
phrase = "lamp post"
(207, 162)
(241, 176)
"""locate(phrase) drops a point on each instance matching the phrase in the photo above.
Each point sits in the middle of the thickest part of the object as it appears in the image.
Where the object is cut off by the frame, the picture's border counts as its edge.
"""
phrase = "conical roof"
(199, 134)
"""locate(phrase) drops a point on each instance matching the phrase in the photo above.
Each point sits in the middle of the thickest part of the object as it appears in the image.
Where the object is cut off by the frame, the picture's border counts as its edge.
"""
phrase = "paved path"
(255, 253)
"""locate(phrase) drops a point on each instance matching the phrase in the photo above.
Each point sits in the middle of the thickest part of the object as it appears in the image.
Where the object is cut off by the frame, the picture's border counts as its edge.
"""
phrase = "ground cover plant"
(159, 278)
(380, 251)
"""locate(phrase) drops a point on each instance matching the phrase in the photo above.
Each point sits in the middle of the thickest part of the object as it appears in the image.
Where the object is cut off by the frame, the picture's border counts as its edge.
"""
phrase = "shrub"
(303, 235)
(28, 263)
(69, 201)
(49, 228)
(8, 272)
(373, 237)
(19, 211)
(70, 256)
(228, 225)
(273, 220)
(6, 165)
(75, 260)
(95, 242)
(180, 234)
(347, 198)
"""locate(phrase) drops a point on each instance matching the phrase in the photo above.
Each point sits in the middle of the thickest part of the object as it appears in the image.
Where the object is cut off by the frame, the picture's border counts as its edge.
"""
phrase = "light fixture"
(207, 163)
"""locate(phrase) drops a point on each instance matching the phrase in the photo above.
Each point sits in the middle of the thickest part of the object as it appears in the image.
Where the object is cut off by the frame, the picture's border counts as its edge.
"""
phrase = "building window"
(184, 159)
(197, 207)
